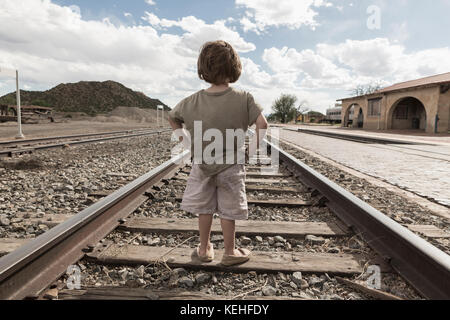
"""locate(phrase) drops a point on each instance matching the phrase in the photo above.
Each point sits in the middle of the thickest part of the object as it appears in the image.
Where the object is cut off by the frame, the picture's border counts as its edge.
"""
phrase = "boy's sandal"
(228, 260)
(208, 257)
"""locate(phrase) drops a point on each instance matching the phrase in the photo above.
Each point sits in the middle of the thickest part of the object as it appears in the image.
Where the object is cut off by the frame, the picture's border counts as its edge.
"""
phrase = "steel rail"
(10, 152)
(356, 138)
(30, 269)
(420, 263)
(82, 135)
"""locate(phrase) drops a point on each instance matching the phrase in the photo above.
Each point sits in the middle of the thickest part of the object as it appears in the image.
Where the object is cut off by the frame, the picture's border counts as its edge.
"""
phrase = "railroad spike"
(322, 202)
(149, 194)
(88, 248)
(156, 188)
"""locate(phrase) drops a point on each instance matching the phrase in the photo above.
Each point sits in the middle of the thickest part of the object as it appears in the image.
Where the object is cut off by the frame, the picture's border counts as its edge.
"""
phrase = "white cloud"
(399, 32)
(369, 57)
(75, 9)
(160, 58)
(290, 13)
(198, 32)
(150, 2)
(344, 66)
(248, 25)
(148, 58)
(311, 68)
(253, 76)
(381, 59)
(267, 87)
(66, 48)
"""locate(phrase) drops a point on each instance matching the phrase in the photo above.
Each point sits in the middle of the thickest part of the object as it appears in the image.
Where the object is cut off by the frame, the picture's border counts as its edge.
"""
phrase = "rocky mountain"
(90, 97)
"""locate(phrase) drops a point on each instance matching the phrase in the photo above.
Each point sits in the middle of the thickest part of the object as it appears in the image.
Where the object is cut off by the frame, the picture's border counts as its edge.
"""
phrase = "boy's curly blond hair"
(219, 63)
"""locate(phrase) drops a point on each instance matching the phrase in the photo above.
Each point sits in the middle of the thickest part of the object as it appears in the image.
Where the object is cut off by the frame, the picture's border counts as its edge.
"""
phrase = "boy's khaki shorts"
(223, 193)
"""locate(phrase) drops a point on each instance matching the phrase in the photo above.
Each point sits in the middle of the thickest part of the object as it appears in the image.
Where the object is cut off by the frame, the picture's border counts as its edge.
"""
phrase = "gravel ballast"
(60, 181)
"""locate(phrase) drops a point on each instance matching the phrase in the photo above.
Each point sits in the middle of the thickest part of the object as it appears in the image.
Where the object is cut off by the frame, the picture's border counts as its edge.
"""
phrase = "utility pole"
(12, 73)
(159, 107)
(19, 112)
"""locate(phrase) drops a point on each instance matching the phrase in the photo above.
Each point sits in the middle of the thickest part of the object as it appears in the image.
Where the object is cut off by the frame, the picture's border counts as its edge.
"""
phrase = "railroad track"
(356, 138)
(18, 147)
(141, 212)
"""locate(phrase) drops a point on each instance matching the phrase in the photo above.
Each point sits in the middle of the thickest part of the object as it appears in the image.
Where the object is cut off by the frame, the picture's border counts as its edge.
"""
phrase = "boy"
(218, 186)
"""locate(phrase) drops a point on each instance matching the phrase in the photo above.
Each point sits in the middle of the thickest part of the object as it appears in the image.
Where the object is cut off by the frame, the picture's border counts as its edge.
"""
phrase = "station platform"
(383, 137)
(416, 163)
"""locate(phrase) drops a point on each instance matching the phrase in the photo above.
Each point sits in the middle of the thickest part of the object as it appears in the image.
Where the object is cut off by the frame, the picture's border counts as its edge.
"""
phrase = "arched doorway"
(360, 119)
(349, 114)
(408, 114)
(6, 110)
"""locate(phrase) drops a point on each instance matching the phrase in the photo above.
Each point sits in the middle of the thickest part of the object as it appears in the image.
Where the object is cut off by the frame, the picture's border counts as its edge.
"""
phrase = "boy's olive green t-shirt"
(229, 109)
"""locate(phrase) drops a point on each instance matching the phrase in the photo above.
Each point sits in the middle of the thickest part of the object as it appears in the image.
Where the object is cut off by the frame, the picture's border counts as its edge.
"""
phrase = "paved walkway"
(406, 135)
(421, 169)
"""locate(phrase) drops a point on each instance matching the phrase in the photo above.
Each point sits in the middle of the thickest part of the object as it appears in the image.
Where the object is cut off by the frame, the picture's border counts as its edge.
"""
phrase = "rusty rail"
(420, 263)
(27, 271)
(11, 152)
(33, 267)
(358, 138)
(72, 136)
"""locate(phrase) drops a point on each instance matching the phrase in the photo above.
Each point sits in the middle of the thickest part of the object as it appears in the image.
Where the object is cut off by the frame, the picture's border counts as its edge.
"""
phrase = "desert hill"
(90, 97)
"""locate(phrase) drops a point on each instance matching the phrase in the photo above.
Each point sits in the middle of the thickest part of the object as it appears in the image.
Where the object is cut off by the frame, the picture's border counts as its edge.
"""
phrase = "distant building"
(422, 104)
(311, 117)
(333, 115)
(9, 113)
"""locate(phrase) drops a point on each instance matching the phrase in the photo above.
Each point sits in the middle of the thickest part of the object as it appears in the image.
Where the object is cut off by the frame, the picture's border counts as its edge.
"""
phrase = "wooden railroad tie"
(248, 227)
(291, 203)
(318, 263)
(277, 190)
(119, 293)
(258, 178)
(165, 225)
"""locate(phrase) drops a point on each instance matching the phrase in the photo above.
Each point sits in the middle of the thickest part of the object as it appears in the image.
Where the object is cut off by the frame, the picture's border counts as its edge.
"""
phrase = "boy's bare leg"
(204, 227)
(228, 230)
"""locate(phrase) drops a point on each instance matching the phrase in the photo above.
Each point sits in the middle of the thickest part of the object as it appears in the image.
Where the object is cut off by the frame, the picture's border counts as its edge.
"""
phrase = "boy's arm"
(261, 128)
(175, 124)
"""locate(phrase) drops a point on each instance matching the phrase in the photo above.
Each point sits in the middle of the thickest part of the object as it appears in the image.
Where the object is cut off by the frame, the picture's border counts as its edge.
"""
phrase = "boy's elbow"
(262, 126)
(261, 123)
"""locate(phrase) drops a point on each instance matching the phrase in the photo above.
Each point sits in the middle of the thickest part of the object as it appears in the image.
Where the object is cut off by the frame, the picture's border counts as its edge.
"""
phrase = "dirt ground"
(118, 120)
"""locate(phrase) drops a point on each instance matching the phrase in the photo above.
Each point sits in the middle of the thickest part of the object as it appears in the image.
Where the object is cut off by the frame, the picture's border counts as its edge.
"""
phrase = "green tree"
(272, 118)
(284, 108)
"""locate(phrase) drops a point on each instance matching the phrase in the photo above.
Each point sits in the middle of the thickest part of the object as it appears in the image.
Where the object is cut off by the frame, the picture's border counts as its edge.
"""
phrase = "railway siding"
(152, 247)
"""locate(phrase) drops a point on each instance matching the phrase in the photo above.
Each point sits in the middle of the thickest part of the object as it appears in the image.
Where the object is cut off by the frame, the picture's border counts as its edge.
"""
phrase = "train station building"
(422, 104)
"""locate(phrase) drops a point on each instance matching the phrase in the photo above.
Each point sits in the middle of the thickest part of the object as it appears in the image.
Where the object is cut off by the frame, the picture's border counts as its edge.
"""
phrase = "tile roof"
(438, 79)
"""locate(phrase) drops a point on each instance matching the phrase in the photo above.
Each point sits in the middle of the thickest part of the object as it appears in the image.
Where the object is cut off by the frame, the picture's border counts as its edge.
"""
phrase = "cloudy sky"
(316, 49)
